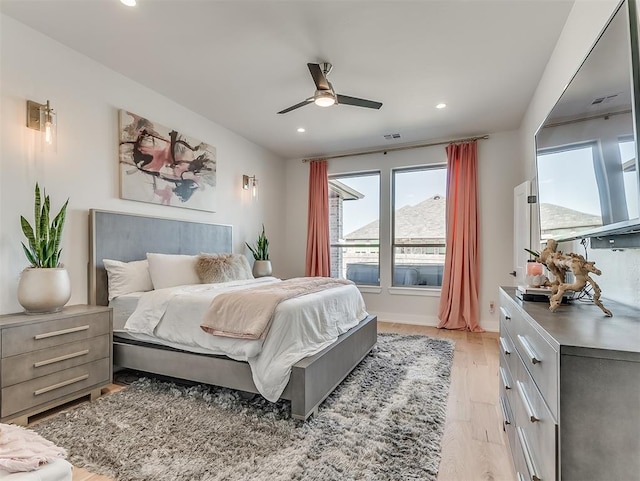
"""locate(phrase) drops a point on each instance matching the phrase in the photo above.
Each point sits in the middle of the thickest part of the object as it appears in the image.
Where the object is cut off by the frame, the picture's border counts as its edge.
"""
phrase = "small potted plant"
(45, 285)
(261, 264)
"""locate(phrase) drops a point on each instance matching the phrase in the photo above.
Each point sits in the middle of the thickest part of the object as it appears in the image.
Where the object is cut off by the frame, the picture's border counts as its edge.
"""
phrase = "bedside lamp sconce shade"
(43, 118)
(250, 183)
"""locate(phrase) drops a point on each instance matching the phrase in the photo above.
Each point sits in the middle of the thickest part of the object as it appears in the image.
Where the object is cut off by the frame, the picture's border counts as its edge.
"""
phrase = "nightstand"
(49, 359)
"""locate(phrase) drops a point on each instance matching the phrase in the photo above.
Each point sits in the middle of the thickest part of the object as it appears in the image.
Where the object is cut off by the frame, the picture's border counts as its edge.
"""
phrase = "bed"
(129, 237)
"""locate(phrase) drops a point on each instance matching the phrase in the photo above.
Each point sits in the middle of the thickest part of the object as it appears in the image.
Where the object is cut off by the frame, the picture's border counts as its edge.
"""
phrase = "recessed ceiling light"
(129, 3)
(441, 106)
(301, 129)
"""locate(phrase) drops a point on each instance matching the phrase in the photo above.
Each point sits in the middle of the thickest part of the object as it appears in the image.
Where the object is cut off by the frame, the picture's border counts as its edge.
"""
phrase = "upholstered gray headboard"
(128, 237)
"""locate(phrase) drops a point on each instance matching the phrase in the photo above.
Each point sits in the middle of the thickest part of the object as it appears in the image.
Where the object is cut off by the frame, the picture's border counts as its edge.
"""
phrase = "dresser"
(50, 359)
(570, 390)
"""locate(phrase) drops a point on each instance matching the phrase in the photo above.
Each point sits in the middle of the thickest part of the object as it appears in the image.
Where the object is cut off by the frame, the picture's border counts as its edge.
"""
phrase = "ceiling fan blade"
(318, 77)
(346, 100)
(297, 106)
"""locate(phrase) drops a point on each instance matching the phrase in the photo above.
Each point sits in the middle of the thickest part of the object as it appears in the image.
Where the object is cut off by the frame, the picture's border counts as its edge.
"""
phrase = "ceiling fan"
(325, 96)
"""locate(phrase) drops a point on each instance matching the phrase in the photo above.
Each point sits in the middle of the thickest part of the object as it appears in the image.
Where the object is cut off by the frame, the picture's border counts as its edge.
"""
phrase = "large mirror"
(586, 151)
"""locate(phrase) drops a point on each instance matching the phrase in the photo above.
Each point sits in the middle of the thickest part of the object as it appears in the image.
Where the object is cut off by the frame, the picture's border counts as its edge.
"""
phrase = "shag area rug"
(384, 422)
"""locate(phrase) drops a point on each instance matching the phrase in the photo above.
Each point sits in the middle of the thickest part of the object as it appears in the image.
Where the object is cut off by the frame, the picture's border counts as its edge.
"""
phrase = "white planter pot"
(42, 290)
(261, 268)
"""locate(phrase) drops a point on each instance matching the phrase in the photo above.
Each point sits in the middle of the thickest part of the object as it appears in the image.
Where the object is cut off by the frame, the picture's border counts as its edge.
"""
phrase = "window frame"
(377, 245)
(393, 244)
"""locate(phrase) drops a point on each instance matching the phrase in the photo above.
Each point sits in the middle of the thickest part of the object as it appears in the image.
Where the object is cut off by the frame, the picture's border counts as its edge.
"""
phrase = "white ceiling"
(239, 62)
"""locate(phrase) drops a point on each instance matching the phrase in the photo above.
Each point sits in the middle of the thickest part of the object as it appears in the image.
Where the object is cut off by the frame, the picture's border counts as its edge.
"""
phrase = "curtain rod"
(392, 149)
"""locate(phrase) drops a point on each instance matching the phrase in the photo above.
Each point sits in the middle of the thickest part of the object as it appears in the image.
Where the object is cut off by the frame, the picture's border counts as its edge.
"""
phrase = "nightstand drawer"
(16, 369)
(42, 335)
(26, 395)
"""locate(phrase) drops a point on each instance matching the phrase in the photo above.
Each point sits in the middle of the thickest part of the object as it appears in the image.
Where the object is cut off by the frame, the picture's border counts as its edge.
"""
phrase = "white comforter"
(301, 327)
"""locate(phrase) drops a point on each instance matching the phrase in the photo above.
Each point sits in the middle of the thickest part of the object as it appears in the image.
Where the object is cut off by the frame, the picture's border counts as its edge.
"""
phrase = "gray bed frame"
(128, 237)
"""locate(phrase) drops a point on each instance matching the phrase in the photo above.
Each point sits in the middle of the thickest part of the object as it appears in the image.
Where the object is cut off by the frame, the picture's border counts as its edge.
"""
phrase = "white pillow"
(170, 270)
(127, 277)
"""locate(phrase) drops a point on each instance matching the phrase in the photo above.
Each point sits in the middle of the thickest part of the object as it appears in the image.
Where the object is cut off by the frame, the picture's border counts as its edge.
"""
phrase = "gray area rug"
(384, 422)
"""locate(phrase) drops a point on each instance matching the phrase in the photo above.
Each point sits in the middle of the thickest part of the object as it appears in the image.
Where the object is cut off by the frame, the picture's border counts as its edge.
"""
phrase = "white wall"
(620, 279)
(87, 97)
(498, 173)
(586, 20)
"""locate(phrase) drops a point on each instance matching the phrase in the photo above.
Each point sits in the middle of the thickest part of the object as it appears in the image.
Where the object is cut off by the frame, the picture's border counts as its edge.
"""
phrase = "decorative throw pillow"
(127, 277)
(170, 270)
(213, 268)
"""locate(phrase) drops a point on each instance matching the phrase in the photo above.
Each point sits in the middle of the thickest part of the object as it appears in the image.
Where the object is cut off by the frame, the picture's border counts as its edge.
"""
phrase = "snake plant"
(44, 237)
(261, 250)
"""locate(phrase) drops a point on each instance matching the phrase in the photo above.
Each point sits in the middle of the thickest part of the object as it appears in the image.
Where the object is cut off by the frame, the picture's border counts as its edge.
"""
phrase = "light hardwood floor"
(473, 445)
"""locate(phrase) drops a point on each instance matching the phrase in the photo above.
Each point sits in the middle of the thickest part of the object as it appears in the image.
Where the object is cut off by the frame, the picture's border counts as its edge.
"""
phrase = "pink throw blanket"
(247, 314)
(25, 450)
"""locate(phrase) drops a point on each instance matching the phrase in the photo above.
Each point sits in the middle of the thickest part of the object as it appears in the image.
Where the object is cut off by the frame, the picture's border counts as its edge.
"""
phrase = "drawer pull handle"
(527, 404)
(503, 408)
(61, 332)
(61, 384)
(61, 358)
(521, 477)
(504, 346)
(528, 349)
(503, 375)
(505, 314)
(528, 460)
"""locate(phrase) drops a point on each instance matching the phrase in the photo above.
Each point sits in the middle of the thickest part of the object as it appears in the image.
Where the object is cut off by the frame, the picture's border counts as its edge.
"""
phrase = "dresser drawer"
(26, 395)
(508, 353)
(538, 426)
(506, 399)
(16, 369)
(42, 335)
(508, 421)
(506, 320)
(540, 359)
(520, 461)
(506, 380)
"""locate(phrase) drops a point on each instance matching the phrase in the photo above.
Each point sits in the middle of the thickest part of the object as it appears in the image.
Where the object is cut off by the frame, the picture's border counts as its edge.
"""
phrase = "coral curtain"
(460, 283)
(318, 257)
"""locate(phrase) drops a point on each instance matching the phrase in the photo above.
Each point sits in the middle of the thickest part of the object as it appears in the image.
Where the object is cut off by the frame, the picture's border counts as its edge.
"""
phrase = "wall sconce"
(42, 117)
(250, 182)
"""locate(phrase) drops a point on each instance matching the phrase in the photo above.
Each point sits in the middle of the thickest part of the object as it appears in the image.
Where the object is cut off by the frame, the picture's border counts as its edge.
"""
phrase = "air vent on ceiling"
(604, 100)
(392, 136)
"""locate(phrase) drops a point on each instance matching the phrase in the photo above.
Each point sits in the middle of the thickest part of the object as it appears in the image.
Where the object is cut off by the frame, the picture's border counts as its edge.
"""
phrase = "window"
(600, 186)
(354, 215)
(627, 148)
(564, 209)
(418, 226)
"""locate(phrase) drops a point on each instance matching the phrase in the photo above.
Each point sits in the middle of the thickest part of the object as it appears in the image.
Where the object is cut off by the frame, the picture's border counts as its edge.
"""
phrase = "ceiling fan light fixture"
(325, 95)
(324, 98)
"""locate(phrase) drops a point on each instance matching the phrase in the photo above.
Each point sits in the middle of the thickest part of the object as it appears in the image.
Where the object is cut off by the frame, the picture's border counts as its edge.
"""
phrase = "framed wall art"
(160, 165)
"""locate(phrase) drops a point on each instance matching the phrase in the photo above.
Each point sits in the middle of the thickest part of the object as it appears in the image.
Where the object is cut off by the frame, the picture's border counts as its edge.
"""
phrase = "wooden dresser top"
(20, 318)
